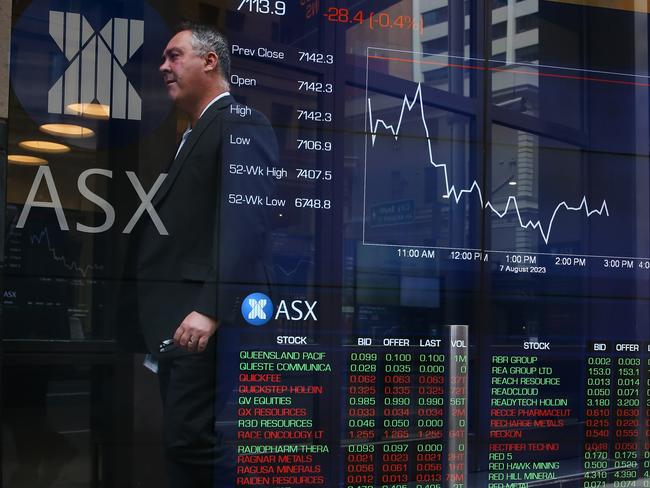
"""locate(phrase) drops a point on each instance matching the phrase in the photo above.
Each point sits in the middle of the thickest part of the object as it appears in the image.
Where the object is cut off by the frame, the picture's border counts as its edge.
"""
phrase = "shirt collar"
(215, 99)
(189, 127)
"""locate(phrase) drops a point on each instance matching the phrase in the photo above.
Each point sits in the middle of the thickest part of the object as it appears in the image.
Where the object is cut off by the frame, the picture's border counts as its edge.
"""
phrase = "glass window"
(414, 243)
(440, 44)
(435, 16)
(436, 76)
(499, 30)
(527, 54)
(527, 22)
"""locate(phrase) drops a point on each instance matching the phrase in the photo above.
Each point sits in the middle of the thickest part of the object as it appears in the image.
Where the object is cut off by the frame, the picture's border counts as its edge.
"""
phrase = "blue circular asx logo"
(67, 57)
(257, 309)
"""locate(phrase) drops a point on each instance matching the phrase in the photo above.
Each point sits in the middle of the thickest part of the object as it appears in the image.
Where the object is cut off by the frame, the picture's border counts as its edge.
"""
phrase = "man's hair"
(205, 39)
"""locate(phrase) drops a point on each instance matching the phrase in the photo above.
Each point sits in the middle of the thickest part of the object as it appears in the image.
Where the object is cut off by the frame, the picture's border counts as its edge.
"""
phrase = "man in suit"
(200, 241)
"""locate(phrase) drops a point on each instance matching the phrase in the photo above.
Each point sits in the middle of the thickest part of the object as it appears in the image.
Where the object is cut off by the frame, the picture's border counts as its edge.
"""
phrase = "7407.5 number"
(313, 174)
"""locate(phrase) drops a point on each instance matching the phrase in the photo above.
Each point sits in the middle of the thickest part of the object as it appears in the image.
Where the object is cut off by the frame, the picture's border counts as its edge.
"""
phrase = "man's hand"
(195, 331)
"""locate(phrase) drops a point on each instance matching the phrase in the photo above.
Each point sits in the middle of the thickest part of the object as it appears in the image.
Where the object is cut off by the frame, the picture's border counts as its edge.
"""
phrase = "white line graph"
(73, 266)
(417, 103)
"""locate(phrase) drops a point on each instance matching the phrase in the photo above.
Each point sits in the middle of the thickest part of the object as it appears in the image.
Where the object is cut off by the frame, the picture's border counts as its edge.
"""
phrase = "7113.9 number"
(277, 7)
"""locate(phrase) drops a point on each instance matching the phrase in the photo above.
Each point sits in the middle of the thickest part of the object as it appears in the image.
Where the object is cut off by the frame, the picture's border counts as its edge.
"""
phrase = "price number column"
(361, 407)
(396, 413)
(627, 414)
(456, 474)
(430, 410)
(315, 138)
(598, 398)
(646, 445)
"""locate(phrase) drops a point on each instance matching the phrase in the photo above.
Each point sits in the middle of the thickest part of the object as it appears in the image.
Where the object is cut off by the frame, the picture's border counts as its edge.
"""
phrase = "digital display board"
(455, 270)
(446, 278)
(53, 286)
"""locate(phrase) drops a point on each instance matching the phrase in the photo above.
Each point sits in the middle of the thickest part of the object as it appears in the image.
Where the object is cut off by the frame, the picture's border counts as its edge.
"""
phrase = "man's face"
(182, 69)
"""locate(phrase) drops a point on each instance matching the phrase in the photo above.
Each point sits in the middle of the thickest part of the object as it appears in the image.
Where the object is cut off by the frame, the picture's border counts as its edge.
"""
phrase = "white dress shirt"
(187, 132)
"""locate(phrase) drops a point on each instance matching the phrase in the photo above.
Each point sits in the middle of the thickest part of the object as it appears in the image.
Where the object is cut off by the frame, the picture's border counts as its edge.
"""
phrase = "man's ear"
(211, 62)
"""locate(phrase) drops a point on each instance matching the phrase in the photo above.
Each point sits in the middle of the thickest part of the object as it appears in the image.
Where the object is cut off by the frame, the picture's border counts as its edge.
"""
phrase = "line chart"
(455, 194)
(44, 236)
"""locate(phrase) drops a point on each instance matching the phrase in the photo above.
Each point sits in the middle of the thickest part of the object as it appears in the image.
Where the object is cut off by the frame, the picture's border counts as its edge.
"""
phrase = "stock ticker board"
(458, 263)
(452, 305)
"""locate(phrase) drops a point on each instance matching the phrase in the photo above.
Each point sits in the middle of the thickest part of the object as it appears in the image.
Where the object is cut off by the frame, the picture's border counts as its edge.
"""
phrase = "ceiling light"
(67, 130)
(512, 183)
(44, 147)
(90, 110)
(24, 160)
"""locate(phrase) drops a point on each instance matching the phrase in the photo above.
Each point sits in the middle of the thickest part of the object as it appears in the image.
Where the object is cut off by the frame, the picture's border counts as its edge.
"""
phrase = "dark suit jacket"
(211, 242)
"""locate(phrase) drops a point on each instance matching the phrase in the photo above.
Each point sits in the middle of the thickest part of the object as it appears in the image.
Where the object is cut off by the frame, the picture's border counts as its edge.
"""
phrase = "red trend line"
(515, 71)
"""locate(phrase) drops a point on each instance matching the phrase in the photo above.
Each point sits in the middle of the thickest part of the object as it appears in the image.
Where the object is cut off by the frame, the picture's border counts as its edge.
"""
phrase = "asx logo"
(44, 173)
(67, 54)
(257, 309)
(96, 64)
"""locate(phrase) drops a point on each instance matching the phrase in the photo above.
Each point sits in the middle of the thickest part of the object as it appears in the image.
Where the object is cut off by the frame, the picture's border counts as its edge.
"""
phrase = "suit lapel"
(194, 136)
